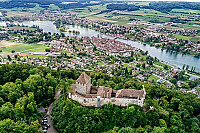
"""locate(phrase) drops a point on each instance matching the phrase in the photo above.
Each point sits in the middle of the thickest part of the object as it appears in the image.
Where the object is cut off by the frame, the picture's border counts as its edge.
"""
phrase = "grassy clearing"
(182, 37)
(25, 48)
(161, 64)
(186, 11)
(127, 66)
(141, 56)
(187, 26)
(6, 44)
(195, 39)
(36, 56)
(153, 77)
(37, 8)
(100, 63)
(146, 12)
(16, 12)
(98, 7)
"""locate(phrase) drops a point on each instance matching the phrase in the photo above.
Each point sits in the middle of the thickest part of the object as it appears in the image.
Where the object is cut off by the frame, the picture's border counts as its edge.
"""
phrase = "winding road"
(52, 129)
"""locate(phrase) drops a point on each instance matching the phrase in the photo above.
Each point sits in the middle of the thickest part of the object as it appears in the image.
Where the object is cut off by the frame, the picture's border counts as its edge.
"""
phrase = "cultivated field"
(5, 44)
(24, 48)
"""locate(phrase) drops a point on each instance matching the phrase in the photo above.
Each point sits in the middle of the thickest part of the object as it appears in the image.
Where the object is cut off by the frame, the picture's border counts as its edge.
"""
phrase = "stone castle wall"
(117, 101)
(88, 86)
(81, 88)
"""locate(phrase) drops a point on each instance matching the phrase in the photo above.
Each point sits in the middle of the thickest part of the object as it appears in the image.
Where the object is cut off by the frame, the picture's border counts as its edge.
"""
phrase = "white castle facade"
(88, 95)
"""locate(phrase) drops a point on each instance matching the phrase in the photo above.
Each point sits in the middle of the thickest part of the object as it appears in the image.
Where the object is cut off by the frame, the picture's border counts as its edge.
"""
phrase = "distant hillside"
(31, 3)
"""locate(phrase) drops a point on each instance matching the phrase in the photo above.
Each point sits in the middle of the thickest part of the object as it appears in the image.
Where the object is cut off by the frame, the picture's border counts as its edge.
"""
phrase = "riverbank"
(173, 58)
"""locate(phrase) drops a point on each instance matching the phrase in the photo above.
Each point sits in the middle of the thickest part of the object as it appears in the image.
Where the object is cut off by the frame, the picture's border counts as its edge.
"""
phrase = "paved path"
(52, 128)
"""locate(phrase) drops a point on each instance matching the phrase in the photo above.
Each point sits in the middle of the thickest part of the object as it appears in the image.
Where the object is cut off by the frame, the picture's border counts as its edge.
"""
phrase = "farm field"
(16, 12)
(185, 11)
(36, 56)
(4, 44)
(142, 15)
(24, 48)
(120, 17)
(194, 39)
(182, 37)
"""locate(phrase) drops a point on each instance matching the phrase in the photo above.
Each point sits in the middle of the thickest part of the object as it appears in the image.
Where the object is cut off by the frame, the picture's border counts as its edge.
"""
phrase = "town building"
(88, 95)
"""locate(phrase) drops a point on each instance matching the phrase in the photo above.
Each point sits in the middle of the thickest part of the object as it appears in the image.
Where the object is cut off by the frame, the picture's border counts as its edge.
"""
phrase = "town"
(99, 66)
(109, 56)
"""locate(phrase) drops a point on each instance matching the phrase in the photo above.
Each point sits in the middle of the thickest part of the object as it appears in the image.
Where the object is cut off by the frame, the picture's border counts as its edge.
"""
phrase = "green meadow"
(24, 48)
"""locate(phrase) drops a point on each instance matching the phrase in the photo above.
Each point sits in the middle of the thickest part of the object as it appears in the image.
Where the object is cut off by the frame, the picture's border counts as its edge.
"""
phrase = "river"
(171, 58)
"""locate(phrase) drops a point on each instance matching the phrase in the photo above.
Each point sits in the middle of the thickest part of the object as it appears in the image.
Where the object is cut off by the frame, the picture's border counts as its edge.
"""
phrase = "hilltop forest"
(24, 88)
(172, 112)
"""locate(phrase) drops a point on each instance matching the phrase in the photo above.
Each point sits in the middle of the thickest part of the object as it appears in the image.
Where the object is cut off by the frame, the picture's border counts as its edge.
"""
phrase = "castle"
(88, 95)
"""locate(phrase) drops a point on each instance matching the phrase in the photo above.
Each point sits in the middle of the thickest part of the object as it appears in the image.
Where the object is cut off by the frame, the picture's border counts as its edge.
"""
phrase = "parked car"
(44, 121)
(45, 116)
(45, 131)
(44, 128)
(46, 124)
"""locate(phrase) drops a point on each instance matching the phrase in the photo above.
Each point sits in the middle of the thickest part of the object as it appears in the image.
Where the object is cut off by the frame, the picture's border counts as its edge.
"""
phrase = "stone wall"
(88, 86)
(81, 88)
(117, 101)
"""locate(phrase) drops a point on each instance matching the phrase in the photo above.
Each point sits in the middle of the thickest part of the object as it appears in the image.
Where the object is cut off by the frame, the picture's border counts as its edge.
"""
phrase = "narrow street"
(52, 129)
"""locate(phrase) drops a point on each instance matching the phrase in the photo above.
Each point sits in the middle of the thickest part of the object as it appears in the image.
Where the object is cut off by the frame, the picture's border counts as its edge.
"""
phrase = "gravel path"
(52, 128)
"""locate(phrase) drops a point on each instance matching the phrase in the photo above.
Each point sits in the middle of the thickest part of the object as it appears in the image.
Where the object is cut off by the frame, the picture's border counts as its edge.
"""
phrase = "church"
(88, 95)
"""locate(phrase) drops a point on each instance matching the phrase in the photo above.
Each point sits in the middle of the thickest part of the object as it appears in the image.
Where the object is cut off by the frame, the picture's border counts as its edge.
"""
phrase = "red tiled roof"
(23, 54)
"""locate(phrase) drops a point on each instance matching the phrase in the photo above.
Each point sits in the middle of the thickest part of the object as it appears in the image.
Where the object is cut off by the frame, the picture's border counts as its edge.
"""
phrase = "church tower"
(83, 84)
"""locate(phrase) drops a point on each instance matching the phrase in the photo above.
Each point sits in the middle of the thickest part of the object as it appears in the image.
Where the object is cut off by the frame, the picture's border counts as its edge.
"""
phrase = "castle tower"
(83, 84)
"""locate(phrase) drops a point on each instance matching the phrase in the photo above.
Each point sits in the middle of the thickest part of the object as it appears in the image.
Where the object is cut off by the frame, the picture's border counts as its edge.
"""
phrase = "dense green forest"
(24, 88)
(173, 112)
(44, 3)
(159, 6)
(168, 6)
(165, 7)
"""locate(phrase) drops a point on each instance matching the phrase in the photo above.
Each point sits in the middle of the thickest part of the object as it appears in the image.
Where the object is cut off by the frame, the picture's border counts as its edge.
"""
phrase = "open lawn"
(153, 77)
(5, 44)
(16, 12)
(24, 48)
(146, 12)
(36, 56)
(37, 8)
(101, 64)
(182, 37)
(186, 11)
(195, 39)
(187, 26)
(161, 64)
